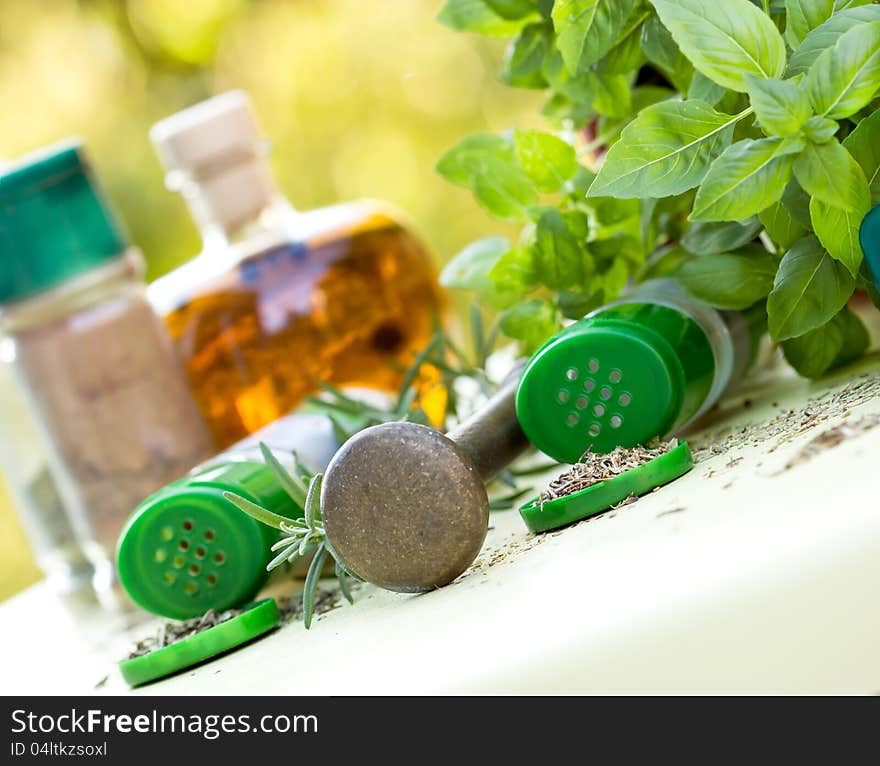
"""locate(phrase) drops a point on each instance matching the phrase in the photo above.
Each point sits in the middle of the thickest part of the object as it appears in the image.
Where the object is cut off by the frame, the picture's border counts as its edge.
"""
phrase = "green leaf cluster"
(734, 144)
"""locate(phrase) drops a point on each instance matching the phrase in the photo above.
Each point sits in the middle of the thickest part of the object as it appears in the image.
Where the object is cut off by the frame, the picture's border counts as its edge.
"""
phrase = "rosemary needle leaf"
(292, 485)
(256, 511)
(311, 586)
(476, 318)
(284, 542)
(505, 477)
(341, 434)
(411, 373)
(313, 501)
(290, 553)
(405, 402)
(342, 578)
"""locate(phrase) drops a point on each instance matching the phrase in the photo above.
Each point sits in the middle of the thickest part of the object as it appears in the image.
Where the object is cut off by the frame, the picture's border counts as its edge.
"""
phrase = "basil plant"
(731, 144)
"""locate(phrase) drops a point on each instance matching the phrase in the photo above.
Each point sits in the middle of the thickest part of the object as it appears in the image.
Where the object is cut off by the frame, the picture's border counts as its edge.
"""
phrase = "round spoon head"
(404, 507)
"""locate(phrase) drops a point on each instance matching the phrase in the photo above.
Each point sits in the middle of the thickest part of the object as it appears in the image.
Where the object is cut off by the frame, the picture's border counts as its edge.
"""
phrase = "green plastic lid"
(54, 222)
(254, 621)
(869, 238)
(600, 497)
(601, 384)
(187, 549)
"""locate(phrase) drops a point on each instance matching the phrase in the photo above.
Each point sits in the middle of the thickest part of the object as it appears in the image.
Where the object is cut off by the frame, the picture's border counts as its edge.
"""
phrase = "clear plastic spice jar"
(33, 492)
(94, 362)
(645, 366)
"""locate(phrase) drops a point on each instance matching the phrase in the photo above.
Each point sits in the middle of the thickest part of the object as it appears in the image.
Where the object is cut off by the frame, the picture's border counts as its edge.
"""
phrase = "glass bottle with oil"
(279, 300)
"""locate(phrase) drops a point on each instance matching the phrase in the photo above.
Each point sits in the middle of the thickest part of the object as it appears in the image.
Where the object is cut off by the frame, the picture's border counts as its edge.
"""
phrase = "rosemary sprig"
(440, 353)
(300, 537)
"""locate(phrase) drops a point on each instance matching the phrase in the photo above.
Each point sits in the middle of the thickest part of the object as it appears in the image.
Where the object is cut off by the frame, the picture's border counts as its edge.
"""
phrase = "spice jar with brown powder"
(94, 362)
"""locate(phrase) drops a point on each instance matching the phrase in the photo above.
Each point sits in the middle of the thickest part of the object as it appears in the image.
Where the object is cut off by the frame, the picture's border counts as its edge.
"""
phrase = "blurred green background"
(359, 98)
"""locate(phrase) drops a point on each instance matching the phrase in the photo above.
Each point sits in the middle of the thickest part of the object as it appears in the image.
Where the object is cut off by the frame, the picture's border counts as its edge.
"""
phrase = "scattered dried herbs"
(593, 468)
(171, 632)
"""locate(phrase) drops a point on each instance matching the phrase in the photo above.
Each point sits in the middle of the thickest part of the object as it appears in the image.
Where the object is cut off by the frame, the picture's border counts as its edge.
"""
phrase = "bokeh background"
(358, 97)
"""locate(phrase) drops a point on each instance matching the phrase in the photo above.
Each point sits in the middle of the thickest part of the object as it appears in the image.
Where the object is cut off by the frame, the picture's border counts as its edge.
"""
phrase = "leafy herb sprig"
(300, 537)
(732, 144)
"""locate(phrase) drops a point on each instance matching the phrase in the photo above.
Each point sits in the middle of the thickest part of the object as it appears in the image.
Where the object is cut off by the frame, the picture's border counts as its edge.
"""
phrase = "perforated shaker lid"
(187, 549)
(598, 385)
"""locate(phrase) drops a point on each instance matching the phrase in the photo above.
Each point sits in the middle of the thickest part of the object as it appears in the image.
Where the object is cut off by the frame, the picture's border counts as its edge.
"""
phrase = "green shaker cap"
(254, 621)
(600, 497)
(187, 549)
(54, 222)
(600, 384)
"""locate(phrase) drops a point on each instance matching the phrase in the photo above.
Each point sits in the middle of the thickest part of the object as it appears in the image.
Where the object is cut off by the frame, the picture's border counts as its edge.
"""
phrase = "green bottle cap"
(254, 621)
(600, 497)
(54, 222)
(601, 384)
(187, 549)
(869, 238)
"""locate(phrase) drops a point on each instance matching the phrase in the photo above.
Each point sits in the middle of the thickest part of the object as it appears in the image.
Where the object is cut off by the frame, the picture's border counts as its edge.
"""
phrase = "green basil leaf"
(665, 150)
(469, 269)
(820, 130)
(730, 280)
(709, 238)
(839, 5)
(487, 165)
(745, 179)
(663, 52)
(611, 94)
(704, 89)
(626, 55)
(838, 228)
(587, 29)
(826, 36)
(515, 271)
(576, 305)
(781, 225)
(813, 353)
(531, 322)
(855, 338)
(513, 9)
(725, 39)
(781, 106)
(561, 258)
(829, 173)
(864, 146)
(845, 77)
(474, 156)
(613, 279)
(525, 57)
(576, 88)
(548, 160)
(797, 202)
(506, 193)
(803, 16)
(837, 342)
(810, 288)
(476, 16)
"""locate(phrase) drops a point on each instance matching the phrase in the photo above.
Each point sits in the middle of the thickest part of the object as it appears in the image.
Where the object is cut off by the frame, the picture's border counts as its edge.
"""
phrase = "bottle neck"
(235, 203)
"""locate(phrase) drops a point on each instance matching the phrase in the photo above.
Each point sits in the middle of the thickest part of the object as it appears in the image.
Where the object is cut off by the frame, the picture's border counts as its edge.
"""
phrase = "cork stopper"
(213, 153)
